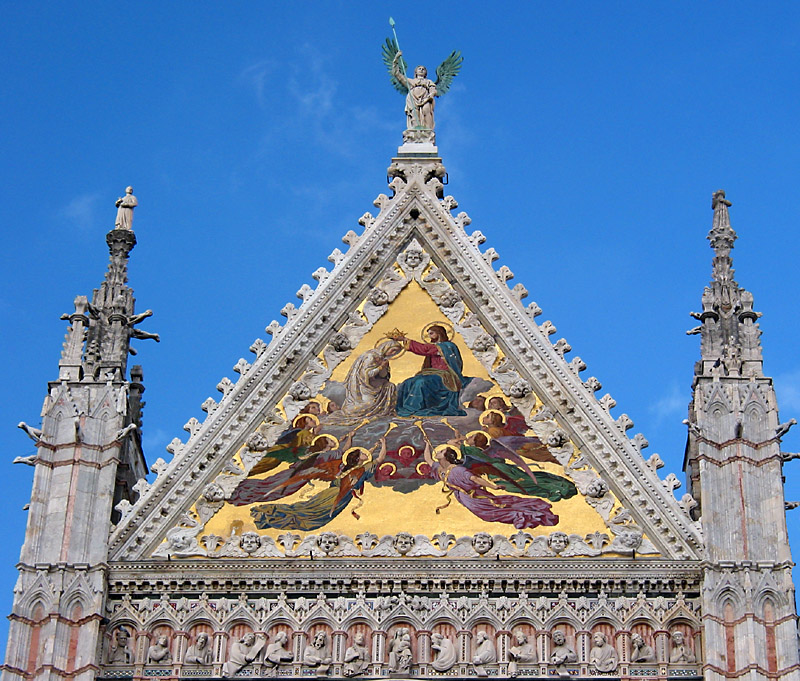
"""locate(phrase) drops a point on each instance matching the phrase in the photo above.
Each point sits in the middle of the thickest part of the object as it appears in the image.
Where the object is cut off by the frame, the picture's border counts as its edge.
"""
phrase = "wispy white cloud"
(81, 211)
(671, 404)
(257, 77)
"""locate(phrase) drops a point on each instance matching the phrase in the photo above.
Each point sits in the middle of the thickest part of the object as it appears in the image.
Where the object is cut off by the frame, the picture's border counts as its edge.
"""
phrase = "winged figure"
(420, 90)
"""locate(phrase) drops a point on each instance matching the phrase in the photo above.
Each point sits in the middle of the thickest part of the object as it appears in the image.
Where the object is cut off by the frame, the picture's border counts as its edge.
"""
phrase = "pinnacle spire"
(730, 336)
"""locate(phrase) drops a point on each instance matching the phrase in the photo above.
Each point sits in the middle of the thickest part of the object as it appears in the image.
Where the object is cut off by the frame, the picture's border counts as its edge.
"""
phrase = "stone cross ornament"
(420, 91)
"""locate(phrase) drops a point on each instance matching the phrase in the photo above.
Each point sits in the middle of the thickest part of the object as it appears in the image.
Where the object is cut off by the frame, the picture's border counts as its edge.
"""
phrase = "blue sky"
(584, 140)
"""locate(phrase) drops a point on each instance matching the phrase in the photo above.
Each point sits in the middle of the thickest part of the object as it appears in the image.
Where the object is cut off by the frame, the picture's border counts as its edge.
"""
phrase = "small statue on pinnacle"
(419, 90)
(125, 205)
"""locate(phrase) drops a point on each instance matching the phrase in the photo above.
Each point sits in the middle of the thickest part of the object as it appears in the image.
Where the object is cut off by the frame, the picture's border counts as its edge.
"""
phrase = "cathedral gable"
(483, 436)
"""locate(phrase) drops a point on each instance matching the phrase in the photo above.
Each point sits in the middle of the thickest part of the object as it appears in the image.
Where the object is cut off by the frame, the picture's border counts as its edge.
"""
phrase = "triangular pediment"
(553, 459)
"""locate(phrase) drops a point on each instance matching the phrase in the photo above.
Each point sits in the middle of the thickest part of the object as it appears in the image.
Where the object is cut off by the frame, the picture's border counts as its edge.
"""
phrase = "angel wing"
(385, 547)
(423, 547)
(389, 50)
(539, 547)
(463, 549)
(448, 70)
(346, 547)
(578, 547)
(307, 547)
(268, 549)
(503, 547)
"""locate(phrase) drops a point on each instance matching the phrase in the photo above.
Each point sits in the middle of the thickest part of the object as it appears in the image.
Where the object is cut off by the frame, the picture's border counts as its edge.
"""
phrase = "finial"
(420, 91)
(721, 235)
(125, 205)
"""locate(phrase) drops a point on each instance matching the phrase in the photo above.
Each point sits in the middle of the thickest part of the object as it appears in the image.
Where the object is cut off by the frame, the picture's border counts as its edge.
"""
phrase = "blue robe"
(434, 392)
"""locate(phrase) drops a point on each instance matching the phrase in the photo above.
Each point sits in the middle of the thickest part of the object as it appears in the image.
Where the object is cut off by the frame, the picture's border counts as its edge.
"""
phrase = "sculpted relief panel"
(404, 636)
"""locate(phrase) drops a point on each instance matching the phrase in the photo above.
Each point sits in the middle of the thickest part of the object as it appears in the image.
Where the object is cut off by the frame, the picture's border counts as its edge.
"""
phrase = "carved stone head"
(520, 389)
(320, 640)
(340, 342)
(630, 538)
(249, 639)
(421, 72)
(558, 541)
(328, 541)
(281, 637)
(599, 639)
(378, 297)
(250, 542)
(413, 258)
(358, 639)
(403, 542)
(201, 641)
(481, 637)
(559, 638)
(637, 641)
(482, 542)
(520, 638)
(677, 637)
(122, 636)
(596, 488)
(213, 493)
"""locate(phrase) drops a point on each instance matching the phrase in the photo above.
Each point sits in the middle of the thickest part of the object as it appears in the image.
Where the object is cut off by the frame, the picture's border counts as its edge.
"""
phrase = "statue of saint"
(125, 205)
(419, 90)
(199, 652)
(603, 656)
(356, 657)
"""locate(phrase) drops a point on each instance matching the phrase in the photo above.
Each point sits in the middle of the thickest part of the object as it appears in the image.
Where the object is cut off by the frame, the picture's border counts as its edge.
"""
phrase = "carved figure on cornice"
(118, 651)
(413, 260)
(159, 652)
(578, 547)
(356, 657)
(640, 651)
(562, 653)
(521, 652)
(318, 654)
(445, 653)
(419, 90)
(243, 652)
(400, 653)
(369, 392)
(485, 653)
(680, 650)
(558, 541)
(125, 205)
(200, 651)
(603, 656)
(181, 541)
(629, 539)
(276, 653)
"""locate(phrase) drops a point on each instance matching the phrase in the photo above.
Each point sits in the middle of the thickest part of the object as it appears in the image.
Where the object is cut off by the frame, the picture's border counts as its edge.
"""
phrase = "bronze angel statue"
(420, 90)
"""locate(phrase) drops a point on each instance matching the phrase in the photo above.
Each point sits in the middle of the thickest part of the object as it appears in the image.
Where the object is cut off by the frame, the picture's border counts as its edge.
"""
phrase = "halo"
(447, 326)
(402, 447)
(359, 449)
(392, 468)
(479, 432)
(492, 411)
(328, 437)
(499, 397)
(313, 417)
(381, 341)
(443, 447)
